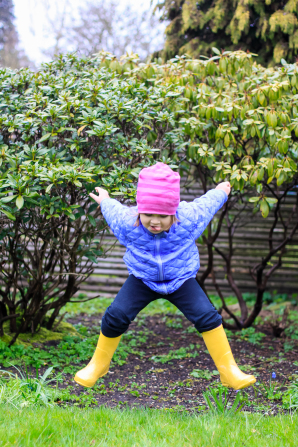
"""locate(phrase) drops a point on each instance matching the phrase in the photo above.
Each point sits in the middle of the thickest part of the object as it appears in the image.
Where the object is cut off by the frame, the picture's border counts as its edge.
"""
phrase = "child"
(162, 260)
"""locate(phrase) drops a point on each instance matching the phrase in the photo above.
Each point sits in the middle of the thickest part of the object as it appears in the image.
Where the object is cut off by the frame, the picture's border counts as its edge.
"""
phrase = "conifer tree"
(6, 21)
(10, 54)
(268, 28)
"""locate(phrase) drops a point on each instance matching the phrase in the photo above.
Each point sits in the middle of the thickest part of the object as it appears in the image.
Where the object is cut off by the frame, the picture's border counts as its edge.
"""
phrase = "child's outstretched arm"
(202, 210)
(114, 213)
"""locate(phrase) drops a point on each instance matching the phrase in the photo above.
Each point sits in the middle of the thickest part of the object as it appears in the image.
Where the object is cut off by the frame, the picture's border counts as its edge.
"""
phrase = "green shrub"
(70, 127)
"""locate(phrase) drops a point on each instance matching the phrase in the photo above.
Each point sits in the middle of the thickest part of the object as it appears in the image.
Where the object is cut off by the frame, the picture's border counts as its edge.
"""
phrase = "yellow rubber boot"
(100, 362)
(220, 351)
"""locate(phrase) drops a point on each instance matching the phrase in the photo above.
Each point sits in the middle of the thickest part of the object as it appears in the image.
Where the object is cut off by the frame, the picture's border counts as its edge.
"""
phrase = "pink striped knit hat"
(158, 190)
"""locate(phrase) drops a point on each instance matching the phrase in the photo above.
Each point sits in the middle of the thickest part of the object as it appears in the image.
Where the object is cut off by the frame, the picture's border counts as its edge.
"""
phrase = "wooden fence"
(251, 244)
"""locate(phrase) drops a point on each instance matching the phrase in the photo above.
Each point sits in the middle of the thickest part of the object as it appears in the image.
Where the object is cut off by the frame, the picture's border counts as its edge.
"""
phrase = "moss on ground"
(42, 336)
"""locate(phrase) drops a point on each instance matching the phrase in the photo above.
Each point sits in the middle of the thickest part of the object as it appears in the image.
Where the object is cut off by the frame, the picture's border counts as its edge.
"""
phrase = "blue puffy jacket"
(166, 260)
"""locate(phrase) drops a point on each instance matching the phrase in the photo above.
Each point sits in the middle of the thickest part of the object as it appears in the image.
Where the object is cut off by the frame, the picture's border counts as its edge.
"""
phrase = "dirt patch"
(162, 362)
(145, 381)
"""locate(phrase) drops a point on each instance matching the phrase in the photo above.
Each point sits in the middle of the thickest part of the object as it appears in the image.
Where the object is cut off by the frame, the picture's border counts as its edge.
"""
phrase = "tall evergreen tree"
(10, 54)
(268, 28)
(6, 21)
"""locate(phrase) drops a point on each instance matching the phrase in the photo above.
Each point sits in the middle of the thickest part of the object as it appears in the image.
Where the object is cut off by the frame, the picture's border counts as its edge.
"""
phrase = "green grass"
(91, 307)
(156, 428)
(99, 305)
(160, 306)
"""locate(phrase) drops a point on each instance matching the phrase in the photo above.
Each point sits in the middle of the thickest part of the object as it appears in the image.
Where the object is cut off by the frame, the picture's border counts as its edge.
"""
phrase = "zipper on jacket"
(159, 258)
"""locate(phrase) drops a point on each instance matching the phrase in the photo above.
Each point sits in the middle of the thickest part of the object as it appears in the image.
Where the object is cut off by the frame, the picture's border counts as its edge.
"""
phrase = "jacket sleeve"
(118, 217)
(201, 210)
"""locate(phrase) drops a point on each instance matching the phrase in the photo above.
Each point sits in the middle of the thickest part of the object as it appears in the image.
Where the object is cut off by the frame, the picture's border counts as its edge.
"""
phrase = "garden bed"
(162, 362)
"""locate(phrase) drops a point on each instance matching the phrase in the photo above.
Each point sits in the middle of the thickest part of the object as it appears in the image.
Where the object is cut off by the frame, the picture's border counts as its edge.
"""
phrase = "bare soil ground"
(142, 381)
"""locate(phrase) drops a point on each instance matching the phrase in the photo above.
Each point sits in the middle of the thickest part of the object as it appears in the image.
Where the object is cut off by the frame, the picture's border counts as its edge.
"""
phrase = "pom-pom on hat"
(158, 190)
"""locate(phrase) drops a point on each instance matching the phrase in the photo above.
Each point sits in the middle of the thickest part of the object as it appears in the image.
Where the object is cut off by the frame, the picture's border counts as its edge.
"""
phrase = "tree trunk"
(13, 320)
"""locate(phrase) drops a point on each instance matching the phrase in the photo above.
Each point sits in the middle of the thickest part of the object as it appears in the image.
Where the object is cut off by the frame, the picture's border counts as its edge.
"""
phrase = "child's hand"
(102, 194)
(225, 186)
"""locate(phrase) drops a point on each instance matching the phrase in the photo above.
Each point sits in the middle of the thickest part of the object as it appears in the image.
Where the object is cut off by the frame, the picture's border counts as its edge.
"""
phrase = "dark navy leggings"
(135, 295)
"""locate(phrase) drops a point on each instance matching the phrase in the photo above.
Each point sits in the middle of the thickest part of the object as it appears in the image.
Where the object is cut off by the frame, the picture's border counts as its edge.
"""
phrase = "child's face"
(156, 223)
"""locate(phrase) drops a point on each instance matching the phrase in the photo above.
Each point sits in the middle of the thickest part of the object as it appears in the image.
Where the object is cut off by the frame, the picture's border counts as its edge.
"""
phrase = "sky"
(32, 25)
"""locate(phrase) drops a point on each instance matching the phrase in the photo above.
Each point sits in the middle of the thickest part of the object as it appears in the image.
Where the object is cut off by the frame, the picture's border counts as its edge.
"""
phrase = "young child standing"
(162, 259)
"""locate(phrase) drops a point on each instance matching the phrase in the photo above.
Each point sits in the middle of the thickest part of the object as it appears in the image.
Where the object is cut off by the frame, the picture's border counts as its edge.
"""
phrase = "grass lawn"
(113, 427)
